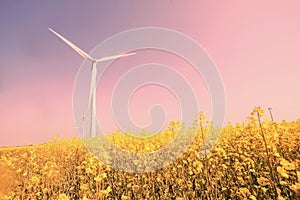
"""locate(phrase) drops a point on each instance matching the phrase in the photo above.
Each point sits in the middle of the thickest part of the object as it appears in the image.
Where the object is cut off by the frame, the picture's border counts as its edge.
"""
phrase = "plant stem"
(268, 155)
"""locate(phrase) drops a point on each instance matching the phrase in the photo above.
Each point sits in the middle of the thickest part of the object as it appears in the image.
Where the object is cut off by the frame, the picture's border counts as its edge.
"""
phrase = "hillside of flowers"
(255, 159)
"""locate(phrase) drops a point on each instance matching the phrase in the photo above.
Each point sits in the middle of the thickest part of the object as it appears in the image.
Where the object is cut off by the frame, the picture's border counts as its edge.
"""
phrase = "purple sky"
(255, 46)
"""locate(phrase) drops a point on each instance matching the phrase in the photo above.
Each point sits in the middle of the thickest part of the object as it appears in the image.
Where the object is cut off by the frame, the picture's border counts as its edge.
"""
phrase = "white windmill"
(92, 99)
(84, 119)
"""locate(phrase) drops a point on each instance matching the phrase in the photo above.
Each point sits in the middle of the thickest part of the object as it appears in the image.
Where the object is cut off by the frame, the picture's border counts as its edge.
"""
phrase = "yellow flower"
(84, 187)
(282, 172)
(277, 154)
(296, 187)
(244, 191)
(264, 189)
(283, 182)
(100, 177)
(104, 175)
(35, 180)
(280, 197)
(262, 181)
(85, 198)
(136, 188)
(45, 190)
(287, 165)
(63, 197)
(108, 189)
(252, 197)
(124, 197)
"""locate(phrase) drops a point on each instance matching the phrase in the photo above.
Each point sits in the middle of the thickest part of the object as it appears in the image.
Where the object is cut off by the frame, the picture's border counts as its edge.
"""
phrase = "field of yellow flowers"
(255, 159)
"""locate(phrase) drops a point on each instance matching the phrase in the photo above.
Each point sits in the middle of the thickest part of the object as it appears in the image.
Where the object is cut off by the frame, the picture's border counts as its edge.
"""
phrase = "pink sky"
(255, 45)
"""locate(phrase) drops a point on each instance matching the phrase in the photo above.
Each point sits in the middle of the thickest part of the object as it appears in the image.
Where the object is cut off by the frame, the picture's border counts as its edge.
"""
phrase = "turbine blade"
(114, 57)
(73, 46)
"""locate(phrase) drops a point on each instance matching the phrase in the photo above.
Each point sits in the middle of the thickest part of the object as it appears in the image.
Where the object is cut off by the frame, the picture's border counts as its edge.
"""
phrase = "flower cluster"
(255, 159)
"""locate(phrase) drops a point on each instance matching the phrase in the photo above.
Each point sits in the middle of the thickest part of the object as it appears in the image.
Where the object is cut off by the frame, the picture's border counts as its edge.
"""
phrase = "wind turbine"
(92, 98)
(84, 118)
(82, 127)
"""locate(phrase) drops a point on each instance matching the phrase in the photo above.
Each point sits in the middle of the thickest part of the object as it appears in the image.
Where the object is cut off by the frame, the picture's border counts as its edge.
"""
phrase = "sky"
(255, 46)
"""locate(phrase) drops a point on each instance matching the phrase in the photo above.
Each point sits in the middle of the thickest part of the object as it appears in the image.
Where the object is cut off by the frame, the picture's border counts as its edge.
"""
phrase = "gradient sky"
(255, 45)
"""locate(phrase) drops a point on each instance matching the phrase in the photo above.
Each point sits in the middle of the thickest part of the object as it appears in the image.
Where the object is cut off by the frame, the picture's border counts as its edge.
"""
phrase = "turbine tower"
(92, 98)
